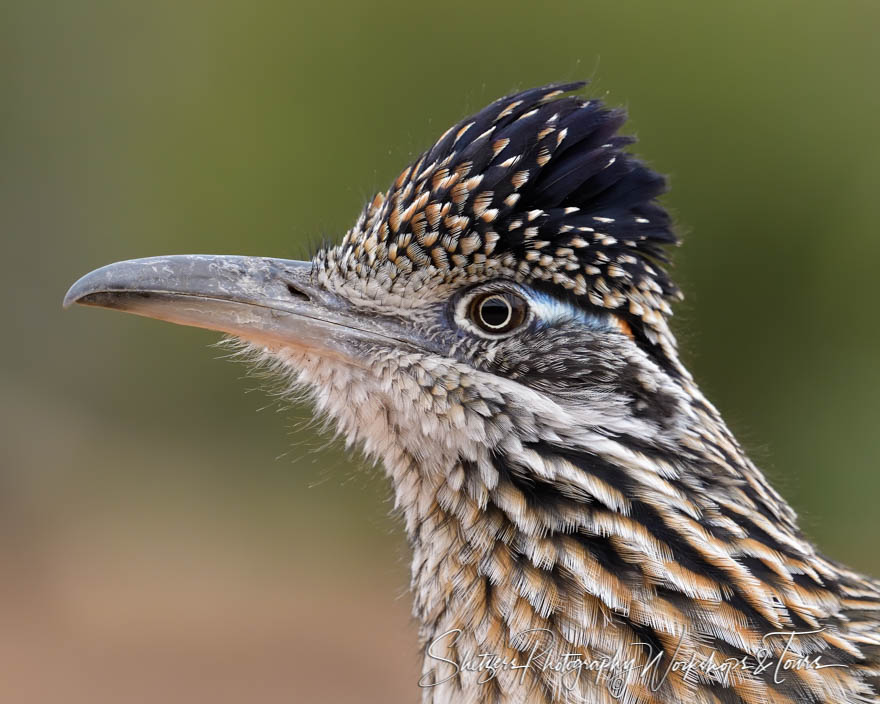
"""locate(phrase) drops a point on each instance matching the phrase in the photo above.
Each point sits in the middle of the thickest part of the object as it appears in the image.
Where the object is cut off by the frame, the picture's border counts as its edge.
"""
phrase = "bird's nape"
(495, 329)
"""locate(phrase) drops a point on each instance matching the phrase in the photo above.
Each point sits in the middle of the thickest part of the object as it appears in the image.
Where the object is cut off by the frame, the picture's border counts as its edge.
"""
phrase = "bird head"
(518, 261)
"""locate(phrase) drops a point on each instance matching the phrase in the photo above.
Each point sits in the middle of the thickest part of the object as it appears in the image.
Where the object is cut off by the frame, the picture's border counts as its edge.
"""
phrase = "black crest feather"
(536, 186)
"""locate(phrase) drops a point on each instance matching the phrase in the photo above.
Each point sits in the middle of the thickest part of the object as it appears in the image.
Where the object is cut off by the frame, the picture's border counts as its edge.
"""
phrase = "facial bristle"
(536, 187)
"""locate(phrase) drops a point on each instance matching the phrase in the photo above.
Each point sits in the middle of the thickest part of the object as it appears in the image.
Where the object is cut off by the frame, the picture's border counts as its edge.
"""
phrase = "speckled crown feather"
(536, 187)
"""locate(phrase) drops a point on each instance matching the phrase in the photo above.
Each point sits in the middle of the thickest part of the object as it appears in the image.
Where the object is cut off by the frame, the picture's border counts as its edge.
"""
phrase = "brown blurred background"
(166, 536)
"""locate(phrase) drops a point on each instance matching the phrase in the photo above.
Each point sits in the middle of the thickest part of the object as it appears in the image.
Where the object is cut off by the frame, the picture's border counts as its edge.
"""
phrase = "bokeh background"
(166, 535)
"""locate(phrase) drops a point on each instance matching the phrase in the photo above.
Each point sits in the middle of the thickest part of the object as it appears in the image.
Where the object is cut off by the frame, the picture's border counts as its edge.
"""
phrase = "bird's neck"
(548, 546)
(590, 530)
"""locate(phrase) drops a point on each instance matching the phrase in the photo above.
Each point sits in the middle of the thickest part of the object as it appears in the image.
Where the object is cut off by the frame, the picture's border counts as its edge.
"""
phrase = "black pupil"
(495, 312)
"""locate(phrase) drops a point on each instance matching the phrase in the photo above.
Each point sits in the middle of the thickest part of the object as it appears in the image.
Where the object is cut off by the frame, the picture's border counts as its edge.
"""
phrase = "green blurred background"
(165, 535)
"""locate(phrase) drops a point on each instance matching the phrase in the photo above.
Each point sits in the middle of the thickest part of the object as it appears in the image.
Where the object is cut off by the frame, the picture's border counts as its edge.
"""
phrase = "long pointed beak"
(274, 302)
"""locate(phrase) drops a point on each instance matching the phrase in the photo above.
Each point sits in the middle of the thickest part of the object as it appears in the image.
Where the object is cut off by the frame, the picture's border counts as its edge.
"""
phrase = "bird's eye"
(498, 312)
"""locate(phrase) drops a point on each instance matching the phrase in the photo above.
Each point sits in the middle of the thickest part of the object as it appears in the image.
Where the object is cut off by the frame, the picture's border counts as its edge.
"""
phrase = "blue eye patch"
(550, 311)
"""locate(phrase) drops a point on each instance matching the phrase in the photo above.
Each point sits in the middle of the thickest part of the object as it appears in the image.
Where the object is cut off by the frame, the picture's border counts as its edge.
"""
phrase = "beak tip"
(76, 293)
(113, 277)
(71, 297)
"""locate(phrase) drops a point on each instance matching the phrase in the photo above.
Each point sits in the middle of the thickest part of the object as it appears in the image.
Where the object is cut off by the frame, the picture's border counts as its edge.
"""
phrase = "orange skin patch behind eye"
(624, 327)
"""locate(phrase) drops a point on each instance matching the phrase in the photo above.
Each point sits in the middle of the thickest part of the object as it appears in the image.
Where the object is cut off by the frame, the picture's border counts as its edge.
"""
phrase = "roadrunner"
(495, 329)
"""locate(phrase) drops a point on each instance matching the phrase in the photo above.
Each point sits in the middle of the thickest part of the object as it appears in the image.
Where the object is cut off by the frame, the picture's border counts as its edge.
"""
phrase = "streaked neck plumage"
(571, 523)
